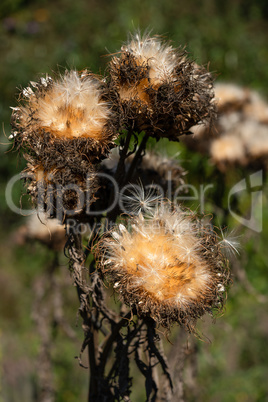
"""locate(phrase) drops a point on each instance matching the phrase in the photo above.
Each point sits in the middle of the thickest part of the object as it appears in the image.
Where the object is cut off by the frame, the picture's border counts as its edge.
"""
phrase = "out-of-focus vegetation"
(41, 36)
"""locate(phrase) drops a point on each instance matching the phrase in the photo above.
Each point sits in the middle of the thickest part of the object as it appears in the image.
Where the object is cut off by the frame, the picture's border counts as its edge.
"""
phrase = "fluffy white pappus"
(161, 58)
(176, 220)
(229, 243)
(70, 106)
(137, 199)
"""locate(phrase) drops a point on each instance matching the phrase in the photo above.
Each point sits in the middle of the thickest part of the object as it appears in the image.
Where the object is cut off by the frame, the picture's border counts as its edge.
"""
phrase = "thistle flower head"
(166, 267)
(39, 227)
(239, 136)
(68, 107)
(227, 148)
(159, 89)
(230, 97)
(64, 126)
(47, 231)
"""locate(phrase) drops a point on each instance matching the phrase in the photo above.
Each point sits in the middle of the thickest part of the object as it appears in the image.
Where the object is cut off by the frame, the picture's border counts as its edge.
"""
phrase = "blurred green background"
(40, 36)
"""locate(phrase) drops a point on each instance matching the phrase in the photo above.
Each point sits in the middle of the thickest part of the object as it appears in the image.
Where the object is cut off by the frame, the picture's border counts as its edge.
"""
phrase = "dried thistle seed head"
(156, 173)
(159, 89)
(257, 108)
(69, 107)
(64, 126)
(165, 171)
(61, 191)
(228, 149)
(241, 130)
(48, 231)
(166, 267)
(230, 97)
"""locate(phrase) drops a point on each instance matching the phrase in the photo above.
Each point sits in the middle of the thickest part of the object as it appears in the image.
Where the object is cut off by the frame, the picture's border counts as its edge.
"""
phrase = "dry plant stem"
(156, 356)
(166, 387)
(58, 307)
(120, 171)
(121, 366)
(177, 357)
(43, 314)
(149, 357)
(111, 339)
(136, 158)
(91, 306)
(120, 174)
(190, 377)
(79, 274)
